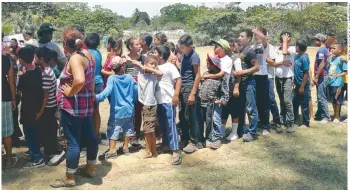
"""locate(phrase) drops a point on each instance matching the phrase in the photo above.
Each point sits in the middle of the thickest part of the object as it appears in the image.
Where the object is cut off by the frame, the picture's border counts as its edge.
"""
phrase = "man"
(249, 66)
(321, 76)
(30, 39)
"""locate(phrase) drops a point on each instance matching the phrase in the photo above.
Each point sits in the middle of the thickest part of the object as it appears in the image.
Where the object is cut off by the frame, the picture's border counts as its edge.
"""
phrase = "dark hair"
(248, 32)
(44, 53)
(92, 40)
(26, 54)
(53, 55)
(339, 45)
(344, 42)
(21, 41)
(231, 40)
(151, 57)
(284, 32)
(147, 38)
(118, 68)
(129, 42)
(116, 43)
(73, 39)
(186, 40)
(302, 44)
(170, 45)
(164, 51)
(14, 40)
(263, 30)
(177, 50)
(162, 37)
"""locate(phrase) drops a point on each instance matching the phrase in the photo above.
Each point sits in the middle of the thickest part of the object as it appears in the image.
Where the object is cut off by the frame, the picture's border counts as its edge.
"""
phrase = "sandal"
(15, 160)
(177, 159)
(83, 172)
(60, 183)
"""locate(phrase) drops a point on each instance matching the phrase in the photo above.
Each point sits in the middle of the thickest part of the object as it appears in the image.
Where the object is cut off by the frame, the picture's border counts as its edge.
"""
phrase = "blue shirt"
(301, 66)
(322, 54)
(336, 66)
(123, 92)
(98, 58)
(187, 71)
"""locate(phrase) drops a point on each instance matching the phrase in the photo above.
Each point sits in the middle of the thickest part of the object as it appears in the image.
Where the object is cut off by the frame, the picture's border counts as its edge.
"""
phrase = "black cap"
(29, 32)
(330, 34)
(45, 27)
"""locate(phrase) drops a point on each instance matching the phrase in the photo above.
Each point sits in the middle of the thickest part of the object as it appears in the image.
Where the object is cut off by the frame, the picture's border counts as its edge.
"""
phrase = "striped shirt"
(49, 84)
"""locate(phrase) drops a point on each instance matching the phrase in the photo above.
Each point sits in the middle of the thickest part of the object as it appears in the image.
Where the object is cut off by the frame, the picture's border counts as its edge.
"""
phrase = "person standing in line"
(345, 58)
(160, 39)
(250, 65)
(145, 42)
(189, 113)
(301, 83)
(29, 37)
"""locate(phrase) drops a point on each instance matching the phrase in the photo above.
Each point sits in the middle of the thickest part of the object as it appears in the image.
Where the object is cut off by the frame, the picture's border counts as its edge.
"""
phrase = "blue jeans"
(32, 139)
(116, 126)
(248, 100)
(322, 104)
(166, 114)
(302, 100)
(211, 115)
(273, 106)
(284, 90)
(263, 100)
(77, 130)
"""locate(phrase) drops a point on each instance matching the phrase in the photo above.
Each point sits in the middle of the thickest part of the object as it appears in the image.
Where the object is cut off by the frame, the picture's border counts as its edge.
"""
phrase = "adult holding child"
(76, 108)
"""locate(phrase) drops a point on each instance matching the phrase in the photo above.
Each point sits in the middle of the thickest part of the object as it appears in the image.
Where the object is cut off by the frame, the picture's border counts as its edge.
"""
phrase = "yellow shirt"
(346, 76)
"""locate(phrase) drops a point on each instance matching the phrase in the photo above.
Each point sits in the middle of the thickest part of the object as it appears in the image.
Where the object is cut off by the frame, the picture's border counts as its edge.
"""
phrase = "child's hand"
(235, 92)
(191, 100)
(175, 101)
(218, 102)
(285, 37)
(66, 90)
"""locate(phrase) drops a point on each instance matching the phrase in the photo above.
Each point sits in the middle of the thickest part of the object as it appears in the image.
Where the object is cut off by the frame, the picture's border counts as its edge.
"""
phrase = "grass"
(314, 158)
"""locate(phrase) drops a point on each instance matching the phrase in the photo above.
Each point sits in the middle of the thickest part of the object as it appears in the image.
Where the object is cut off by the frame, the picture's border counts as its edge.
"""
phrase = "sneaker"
(57, 159)
(208, 144)
(232, 137)
(82, 153)
(290, 129)
(215, 145)
(336, 121)
(123, 151)
(323, 121)
(265, 133)
(247, 137)
(35, 164)
(190, 148)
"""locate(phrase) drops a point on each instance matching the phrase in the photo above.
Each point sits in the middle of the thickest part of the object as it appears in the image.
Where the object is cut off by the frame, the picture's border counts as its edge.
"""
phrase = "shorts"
(98, 88)
(334, 95)
(232, 108)
(125, 125)
(7, 127)
(149, 116)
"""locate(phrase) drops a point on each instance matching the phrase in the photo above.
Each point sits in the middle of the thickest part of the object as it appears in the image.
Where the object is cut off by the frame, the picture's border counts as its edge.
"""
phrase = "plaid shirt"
(81, 104)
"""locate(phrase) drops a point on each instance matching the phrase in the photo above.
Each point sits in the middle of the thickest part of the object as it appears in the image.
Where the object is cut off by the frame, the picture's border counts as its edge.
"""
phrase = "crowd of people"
(145, 84)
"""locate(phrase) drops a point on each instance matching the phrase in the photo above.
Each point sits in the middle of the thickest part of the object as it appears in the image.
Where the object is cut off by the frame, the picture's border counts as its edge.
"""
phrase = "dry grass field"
(314, 158)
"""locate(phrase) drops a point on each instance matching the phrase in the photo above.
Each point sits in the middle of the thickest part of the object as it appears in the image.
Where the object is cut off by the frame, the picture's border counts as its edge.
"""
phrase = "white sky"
(152, 8)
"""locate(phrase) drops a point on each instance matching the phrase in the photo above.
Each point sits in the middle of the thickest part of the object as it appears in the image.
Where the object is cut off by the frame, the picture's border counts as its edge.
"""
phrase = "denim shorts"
(125, 125)
(334, 94)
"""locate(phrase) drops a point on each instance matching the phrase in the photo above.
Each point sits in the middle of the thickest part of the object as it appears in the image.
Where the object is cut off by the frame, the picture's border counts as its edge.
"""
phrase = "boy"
(46, 115)
(214, 93)
(122, 89)
(30, 87)
(337, 69)
(301, 83)
(189, 104)
(168, 99)
(148, 87)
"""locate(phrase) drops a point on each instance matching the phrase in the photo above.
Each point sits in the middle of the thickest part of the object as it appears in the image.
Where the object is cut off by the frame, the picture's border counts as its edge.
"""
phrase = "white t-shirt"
(32, 42)
(237, 64)
(147, 88)
(226, 65)
(262, 62)
(285, 71)
(166, 83)
(270, 52)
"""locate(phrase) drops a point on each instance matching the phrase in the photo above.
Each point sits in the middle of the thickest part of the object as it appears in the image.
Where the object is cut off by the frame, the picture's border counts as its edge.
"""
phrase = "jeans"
(262, 100)
(48, 130)
(284, 90)
(189, 117)
(166, 114)
(273, 106)
(116, 126)
(302, 100)
(32, 139)
(248, 100)
(77, 130)
(211, 115)
(322, 103)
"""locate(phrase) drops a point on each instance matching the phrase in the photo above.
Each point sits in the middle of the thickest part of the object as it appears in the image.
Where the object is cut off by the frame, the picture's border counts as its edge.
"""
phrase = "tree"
(139, 16)
(177, 12)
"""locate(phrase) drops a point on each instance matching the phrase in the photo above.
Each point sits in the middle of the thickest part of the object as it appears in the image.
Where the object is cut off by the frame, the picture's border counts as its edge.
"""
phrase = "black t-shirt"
(247, 55)
(130, 69)
(30, 84)
(6, 91)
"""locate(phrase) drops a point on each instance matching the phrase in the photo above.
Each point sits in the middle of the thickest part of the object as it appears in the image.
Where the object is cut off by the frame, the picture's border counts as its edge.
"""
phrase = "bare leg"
(148, 138)
(311, 110)
(126, 143)
(112, 146)
(8, 148)
(153, 145)
(97, 120)
(336, 111)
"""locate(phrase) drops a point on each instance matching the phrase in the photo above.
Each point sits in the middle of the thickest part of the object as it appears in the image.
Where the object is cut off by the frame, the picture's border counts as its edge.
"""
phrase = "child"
(46, 115)
(147, 89)
(167, 100)
(122, 89)
(345, 87)
(214, 94)
(337, 69)
(114, 47)
(301, 83)
(30, 87)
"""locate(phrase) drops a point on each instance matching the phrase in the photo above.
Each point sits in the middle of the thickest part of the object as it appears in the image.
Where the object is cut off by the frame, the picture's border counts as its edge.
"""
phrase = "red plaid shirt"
(81, 104)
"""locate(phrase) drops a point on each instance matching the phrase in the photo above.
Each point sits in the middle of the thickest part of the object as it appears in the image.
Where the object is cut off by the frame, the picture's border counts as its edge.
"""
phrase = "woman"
(8, 103)
(115, 48)
(160, 39)
(92, 41)
(76, 108)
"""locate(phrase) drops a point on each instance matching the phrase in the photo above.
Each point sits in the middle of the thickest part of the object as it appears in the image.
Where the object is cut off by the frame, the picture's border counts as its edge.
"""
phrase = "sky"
(152, 8)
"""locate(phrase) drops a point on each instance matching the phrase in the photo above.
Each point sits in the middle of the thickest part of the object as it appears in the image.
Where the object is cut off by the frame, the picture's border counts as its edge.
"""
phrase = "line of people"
(145, 86)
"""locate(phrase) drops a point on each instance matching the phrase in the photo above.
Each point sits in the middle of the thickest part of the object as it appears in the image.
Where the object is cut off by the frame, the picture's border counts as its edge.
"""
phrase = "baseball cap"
(223, 43)
(330, 34)
(117, 62)
(215, 60)
(320, 37)
(46, 27)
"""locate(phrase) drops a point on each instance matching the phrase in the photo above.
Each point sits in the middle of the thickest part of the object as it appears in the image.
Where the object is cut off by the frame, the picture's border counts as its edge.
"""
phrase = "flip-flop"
(82, 172)
(177, 160)
(15, 160)
(60, 183)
